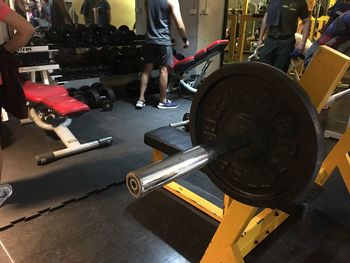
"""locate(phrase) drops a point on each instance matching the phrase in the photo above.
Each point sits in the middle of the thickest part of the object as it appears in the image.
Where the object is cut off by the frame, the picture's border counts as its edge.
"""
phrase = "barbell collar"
(151, 177)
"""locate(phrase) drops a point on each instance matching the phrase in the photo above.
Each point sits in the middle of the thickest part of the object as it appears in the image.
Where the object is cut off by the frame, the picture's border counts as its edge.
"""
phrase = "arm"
(305, 34)
(64, 11)
(263, 31)
(24, 31)
(109, 17)
(176, 14)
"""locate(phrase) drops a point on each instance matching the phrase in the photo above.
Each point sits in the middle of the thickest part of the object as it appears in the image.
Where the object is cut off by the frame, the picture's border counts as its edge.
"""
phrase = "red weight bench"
(181, 67)
(51, 108)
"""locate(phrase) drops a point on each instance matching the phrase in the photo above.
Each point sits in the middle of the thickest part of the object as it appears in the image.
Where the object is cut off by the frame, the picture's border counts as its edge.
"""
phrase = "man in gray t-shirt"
(158, 47)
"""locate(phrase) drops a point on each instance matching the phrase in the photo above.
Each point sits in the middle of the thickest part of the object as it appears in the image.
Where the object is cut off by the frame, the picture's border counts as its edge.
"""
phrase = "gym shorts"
(159, 55)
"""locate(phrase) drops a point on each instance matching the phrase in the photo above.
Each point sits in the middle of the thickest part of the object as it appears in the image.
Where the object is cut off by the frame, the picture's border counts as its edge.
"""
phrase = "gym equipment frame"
(50, 107)
(240, 229)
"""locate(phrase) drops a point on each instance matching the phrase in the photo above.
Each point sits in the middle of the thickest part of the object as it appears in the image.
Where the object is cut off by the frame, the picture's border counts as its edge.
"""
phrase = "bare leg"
(144, 80)
(163, 82)
(0, 161)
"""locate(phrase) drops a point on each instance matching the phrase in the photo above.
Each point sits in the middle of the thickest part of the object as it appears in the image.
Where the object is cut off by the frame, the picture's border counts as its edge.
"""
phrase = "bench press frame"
(241, 229)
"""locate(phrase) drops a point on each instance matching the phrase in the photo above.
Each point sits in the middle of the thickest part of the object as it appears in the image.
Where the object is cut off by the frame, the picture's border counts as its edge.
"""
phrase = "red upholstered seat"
(201, 54)
(69, 107)
(29, 84)
(37, 94)
(51, 101)
(175, 60)
(217, 46)
(184, 64)
(55, 97)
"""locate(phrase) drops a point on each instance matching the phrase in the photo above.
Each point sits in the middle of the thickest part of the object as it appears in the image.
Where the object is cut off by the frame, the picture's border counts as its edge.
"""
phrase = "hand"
(259, 43)
(300, 47)
(187, 44)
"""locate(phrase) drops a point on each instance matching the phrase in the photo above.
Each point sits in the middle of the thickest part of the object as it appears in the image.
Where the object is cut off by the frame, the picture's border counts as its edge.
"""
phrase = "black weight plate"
(93, 97)
(107, 92)
(84, 88)
(97, 85)
(291, 154)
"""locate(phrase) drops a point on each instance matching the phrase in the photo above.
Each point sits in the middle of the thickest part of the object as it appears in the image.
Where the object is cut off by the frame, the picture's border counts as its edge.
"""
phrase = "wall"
(123, 12)
(211, 19)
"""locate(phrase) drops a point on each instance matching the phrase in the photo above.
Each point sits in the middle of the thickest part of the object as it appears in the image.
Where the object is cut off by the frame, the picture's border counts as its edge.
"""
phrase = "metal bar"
(153, 176)
(179, 124)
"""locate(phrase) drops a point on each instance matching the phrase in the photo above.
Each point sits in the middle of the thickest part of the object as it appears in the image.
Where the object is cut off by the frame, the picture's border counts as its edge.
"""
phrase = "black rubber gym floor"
(78, 210)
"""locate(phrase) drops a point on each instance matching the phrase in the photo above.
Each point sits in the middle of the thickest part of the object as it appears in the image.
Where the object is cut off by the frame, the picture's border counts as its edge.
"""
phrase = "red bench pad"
(54, 97)
(201, 56)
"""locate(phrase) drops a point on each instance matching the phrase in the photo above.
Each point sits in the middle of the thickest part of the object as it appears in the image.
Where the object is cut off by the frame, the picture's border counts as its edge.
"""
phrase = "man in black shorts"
(158, 48)
(280, 24)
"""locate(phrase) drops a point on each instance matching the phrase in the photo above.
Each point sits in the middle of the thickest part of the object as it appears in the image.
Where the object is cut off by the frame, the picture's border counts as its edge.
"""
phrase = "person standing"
(336, 36)
(59, 14)
(277, 31)
(158, 48)
(46, 10)
(11, 96)
(103, 13)
(21, 7)
(87, 10)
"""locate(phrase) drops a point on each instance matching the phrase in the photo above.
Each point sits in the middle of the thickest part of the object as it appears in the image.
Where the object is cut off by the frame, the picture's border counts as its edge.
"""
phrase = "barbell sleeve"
(155, 175)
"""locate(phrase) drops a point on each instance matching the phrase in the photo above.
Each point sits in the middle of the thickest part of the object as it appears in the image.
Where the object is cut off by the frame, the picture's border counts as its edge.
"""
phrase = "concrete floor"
(111, 226)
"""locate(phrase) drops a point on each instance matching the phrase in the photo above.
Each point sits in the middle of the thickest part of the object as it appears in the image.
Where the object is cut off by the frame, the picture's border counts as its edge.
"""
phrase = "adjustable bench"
(50, 107)
(180, 67)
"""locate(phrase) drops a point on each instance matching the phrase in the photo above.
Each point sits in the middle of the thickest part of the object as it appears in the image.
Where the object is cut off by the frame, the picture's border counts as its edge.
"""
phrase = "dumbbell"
(78, 94)
(185, 122)
(107, 33)
(104, 91)
(53, 35)
(68, 35)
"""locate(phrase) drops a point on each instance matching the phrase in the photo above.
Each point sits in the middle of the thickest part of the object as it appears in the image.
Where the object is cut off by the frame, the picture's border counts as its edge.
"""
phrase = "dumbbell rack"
(43, 69)
(123, 79)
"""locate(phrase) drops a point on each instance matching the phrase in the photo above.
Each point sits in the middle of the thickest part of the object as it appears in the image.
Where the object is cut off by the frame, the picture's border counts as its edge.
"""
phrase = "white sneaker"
(5, 193)
(140, 104)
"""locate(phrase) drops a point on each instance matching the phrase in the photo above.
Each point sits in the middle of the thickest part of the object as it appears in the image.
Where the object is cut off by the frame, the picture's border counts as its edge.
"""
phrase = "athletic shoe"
(140, 104)
(5, 193)
(167, 105)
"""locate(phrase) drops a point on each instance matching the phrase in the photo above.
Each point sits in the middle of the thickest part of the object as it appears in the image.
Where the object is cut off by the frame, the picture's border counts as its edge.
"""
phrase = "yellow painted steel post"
(260, 227)
(233, 33)
(195, 200)
(338, 157)
(223, 247)
(157, 155)
(241, 34)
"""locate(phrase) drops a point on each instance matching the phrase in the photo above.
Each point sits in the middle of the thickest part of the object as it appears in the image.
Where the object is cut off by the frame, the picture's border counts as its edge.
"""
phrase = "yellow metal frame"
(239, 45)
(241, 229)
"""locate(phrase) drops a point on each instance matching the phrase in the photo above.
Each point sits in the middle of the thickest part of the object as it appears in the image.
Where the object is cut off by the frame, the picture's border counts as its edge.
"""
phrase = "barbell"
(256, 135)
